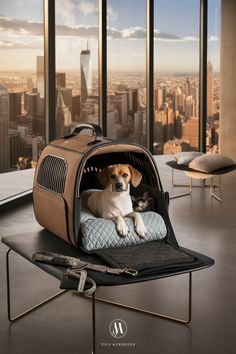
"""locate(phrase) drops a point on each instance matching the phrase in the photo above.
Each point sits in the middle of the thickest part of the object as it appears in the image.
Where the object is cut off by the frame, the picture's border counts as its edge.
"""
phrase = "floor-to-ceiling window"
(126, 70)
(22, 133)
(213, 76)
(176, 77)
(76, 63)
(176, 81)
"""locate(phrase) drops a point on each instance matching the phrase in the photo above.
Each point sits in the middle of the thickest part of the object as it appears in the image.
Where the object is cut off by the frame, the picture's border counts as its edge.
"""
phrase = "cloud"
(114, 33)
(134, 33)
(86, 8)
(66, 9)
(15, 26)
(77, 31)
(213, 39)
(11, 27)
(139, 33)
(165, 36)
(111, 14)
(14, 29)
(7, 45)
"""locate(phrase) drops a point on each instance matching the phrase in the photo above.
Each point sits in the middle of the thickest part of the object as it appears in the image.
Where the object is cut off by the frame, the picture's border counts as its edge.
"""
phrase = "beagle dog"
(114, 202)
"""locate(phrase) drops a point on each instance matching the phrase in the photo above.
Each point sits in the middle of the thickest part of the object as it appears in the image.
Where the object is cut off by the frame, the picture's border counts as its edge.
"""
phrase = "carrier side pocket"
(51, 212)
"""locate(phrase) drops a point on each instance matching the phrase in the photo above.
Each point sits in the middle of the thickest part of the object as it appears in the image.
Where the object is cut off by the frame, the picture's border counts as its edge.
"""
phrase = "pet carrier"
(69, 165)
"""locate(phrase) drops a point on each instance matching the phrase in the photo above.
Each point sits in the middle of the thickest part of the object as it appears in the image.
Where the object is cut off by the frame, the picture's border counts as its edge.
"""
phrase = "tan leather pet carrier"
(69, 165)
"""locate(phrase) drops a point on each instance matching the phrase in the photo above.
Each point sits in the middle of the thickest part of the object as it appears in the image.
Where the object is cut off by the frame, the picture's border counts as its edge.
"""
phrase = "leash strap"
(66, 261)
(81, 275)
(77, 270)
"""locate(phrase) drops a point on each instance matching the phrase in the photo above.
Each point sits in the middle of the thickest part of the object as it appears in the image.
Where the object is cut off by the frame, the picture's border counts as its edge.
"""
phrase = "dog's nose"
(119, 185)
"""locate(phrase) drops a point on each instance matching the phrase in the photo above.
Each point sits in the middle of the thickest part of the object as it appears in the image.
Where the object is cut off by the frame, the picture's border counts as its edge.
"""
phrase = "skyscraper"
(181, 103)
(195, 95)
(140, 126)
(177, 94)
(67, 97)
(15, 147)
(209, 90)
(188, 87)
(122, 107)
(86, 74)
(60, 80)
(133, 100)
(63, 116)
(158, 98)
(75, 108)
(36, 148)
(14, 105)
(4, 129)
(189, 107)
(190, 132)
(31, 104)
(40, 75)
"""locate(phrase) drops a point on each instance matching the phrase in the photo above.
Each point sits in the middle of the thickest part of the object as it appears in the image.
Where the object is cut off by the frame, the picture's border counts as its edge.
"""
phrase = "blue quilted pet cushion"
(100, 233)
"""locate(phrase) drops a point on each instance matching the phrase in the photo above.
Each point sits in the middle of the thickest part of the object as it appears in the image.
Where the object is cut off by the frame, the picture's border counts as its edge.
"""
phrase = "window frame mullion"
(49, 70)
(203, 75)
(150, 72)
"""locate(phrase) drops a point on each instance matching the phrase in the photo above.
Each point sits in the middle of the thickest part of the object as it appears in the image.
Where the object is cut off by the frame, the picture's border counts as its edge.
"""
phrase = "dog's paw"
(141, 230)
(122, 229)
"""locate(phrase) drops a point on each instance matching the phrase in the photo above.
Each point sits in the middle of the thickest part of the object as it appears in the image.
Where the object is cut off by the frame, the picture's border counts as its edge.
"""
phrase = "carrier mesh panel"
(52, 174)
(86, 132)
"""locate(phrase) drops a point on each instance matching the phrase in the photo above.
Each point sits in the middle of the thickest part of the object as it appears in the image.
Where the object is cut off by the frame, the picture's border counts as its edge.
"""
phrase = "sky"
(176, 24)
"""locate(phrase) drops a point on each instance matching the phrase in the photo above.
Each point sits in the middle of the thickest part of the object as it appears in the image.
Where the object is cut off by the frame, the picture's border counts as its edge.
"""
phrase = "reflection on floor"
(63, 326)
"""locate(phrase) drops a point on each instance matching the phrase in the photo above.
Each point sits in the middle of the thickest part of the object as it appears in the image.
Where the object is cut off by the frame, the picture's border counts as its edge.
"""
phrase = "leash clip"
(131, 272)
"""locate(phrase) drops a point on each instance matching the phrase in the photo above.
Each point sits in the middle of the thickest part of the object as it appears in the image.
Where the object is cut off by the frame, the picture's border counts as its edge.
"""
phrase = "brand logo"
(118, 328)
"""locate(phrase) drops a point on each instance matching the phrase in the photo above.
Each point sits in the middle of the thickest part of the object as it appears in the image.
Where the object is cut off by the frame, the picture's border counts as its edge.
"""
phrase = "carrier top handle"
(97, 131)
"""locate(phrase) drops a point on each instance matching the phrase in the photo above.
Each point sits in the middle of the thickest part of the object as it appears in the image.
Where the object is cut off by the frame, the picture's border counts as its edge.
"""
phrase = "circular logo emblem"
(118, 328)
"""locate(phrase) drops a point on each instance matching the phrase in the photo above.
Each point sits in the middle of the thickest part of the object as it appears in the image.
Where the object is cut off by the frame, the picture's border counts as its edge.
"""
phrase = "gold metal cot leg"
(94, 323)
(12, 319)
(94, 299)
(167, 317)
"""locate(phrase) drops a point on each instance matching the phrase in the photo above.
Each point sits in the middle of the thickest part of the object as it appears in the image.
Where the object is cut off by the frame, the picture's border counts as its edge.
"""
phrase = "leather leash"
(77, 268)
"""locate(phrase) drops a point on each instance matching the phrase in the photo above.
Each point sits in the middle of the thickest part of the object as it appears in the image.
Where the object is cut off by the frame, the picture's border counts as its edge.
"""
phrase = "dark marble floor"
(64, 325)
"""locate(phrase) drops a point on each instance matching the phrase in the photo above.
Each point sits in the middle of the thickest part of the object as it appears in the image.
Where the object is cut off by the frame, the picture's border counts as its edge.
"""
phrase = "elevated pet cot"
(67, 167)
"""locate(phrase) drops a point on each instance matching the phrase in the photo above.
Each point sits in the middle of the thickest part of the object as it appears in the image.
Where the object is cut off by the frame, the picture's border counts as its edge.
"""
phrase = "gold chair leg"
(12, 319)
(212, 187)
(217, 197)
(181, 185)
(151, 313)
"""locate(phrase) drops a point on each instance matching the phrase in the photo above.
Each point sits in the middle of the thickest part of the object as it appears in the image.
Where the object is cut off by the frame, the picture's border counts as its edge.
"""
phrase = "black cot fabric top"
(183, 260)
(148, 258)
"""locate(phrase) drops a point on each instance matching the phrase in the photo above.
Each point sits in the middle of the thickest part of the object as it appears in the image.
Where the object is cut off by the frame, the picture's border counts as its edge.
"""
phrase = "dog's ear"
(146, 196)
(103, 176)
(136, 176)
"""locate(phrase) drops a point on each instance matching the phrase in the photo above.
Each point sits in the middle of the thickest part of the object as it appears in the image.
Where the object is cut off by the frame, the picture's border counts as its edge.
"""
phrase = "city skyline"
(176, 34)
(176, 75)
(176, 109)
